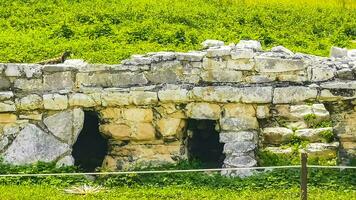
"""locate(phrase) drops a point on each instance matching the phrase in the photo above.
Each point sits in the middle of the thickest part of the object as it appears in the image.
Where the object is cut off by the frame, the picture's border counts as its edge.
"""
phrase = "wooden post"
(304, 177)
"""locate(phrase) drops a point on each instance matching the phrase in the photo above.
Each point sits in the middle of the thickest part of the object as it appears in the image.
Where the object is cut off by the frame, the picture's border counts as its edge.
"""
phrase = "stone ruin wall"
(260, 100)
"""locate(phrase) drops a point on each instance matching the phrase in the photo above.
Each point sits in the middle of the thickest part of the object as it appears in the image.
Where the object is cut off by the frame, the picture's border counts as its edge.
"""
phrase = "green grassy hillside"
(108, 31)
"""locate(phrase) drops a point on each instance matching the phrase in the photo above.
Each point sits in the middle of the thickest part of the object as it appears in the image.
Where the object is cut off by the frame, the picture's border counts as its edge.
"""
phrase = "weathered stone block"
(4, 83)
(256, 94)
(116, 131)
(58, 81)
(7, 118)
(322, 73)
(143, 97)
(55, 101)
(242, 54)
(173, 95)
(273, 65)
(203, 111)
(165, 72)
(7, 107)
(240, 64)
(29, 85)
(216, 94)
(238, 147)
(293, 94)
(171, 127)
(262, 111)
(229, 76)
(212, 43)
(115, 99)
(143, 132)
(239, 110)
(239, 124)
(322, 150)
(138, 114)
(228, 136)
(277, 135)
(82, 100)
(111, 113)
(218, 51)
(249, 44)
(30, 102)
(313, 135)
(107, 79)
(191, 56)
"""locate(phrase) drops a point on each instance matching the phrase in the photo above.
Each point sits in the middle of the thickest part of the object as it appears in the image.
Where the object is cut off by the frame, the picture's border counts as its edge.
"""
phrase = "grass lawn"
(107, 31)
(47, 192)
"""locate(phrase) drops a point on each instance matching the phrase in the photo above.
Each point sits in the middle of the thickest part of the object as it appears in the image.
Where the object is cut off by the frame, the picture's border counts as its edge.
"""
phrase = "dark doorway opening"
(90, 148)
(203, 143)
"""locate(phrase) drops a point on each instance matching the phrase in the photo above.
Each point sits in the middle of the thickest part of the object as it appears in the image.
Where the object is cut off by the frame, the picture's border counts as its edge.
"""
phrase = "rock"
(300, 111)
(65, 161)
(256, 94)
(12, 70)
(108, 79)
(239, 110)
(58, 81)
(82, 100)
(239, 124)
(143, 97)
(7, 118)
(322, 150)
(346, 74)
(135, 132)
(4, 84)
(293, 94)
(240, 64)
(240, 161)
(337, 52)
(231, 137)
(171, 127)
(313, 135)
(279, 150)
(212, 43)
(228, 76)
(242, 54)
(78, 122)
(116, 131)
(109, 163)
(339, 85)
(28, 85)
(115, 99)
(203, 111)
(320, 111)
(165, 72)
(320, 73)
(275, 65)
(7, 107)
(282, 49)
(61, 126)
(143, 132)
(30, 102)
(32, 145)
(6, 95)
(32, 116)
(138, 114)
(218, 51)
(110, 113)
(262, 112)
(173, 95)
(277, 135)
(249, 44)
(237, 148)
(55, 101)
(191, 56)
(221, 94)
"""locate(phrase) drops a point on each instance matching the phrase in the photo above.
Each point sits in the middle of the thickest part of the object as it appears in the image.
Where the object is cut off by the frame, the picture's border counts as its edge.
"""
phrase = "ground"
(44, 192)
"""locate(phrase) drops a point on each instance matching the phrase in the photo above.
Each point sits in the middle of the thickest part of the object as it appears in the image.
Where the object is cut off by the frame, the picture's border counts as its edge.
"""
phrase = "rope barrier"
(172, 171)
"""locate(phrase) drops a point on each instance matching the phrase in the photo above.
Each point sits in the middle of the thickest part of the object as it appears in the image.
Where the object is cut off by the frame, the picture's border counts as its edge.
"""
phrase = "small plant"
(328, 135)
(84, 189)
(312, 122)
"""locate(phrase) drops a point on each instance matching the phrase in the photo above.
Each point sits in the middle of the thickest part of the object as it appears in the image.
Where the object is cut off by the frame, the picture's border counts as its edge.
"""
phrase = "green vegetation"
(172, 192)
(109, 31)
(313, 122)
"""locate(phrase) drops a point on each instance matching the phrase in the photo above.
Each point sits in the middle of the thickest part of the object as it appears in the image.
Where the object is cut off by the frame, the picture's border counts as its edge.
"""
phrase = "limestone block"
(218, 51)
(279, 150)
(143, 97)
(143, 132)
(297, 78)
(171, 126)
(191, 56)
(240, 64)
(228, 136)
(282, 49)
(162, 56)
(7, 107)
(229, 76)
(262, 111)
(242, 54)
(261, 78)
(320, 111)
(83, 100)
(273, 65)
(212, 43)
(7, 118)
(239, 124)
(256, 94)
(165, 72)
(116, 131)
(239, 110)
(108, 79)
(4, 83)
(111, 113)
(299, 111)
(240, 161)
(237, 148)
(173, 95)
(293, 94)
(346, 74)
(339, 85)
(109, 163)
(32, 70)
(203, 111)
(55, 102)
(58, 81)
(332, 95)
(338, 52)
(138, 114)
(322, 150)
(6, 95)
(13, 70)
(249, 44)
(32, 116)
(32, 145)
(115, 99)
(28, 85)
(277, 135)
(320, 73)
(29, 102)
(214, 64)
(216, 94)
(312, 135)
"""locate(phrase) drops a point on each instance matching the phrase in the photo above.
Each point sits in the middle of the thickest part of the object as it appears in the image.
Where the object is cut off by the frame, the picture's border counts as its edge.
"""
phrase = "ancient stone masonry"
(274, 101)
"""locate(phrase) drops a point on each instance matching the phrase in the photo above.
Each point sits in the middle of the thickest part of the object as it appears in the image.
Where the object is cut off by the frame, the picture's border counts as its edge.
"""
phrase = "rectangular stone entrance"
(203, 143)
